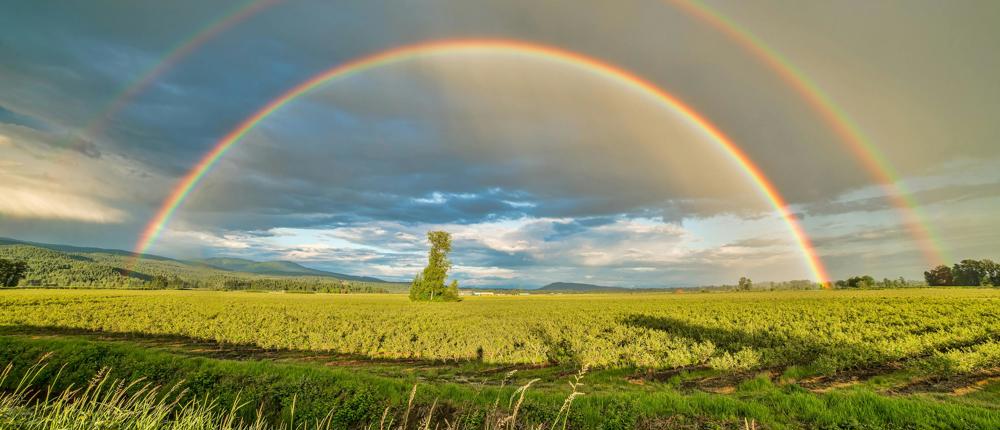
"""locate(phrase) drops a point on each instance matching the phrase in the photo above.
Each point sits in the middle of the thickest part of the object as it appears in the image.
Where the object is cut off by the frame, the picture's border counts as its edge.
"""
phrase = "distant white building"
(475, 293)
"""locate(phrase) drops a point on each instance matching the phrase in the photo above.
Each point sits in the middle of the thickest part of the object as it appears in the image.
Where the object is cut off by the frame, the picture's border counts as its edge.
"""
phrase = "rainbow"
(846, 129)
(523, 49)
(239, 14)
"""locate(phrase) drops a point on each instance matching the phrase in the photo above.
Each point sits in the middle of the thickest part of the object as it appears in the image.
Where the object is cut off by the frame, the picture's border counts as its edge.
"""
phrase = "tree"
(429, 285)
(939, 276)
(976, 273)
(863, 282)
(745, 284)
(992, 272)
(969, 273)
(859, 282)
(11, 272)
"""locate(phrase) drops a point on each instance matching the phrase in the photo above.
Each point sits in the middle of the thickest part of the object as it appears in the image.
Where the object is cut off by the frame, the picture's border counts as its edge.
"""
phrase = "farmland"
(895, 345)
(828, 330)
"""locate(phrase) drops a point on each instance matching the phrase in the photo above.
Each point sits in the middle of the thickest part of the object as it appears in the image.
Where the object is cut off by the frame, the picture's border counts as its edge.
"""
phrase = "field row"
(955, 330)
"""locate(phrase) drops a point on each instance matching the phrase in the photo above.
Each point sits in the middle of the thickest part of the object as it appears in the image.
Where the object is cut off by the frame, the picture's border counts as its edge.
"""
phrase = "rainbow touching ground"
(468, 46)
(846, 129)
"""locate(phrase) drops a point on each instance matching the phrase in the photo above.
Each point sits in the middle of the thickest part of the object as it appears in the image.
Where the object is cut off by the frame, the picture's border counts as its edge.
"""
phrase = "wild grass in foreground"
(110, 403)
(221, 393)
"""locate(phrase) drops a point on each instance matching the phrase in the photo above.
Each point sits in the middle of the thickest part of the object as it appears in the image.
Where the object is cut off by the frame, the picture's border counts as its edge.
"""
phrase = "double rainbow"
(838, 120)
(486, 46)
(174, 56)
(845, 128)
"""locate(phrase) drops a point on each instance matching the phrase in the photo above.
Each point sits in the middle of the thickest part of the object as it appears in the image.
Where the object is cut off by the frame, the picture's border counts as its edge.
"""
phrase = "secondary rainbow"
(469, 46)
(848, 131)
(174, 56)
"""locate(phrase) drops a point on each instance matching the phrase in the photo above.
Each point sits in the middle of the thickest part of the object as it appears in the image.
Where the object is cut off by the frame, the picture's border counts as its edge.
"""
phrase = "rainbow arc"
(581, 62)
(99, 123)
(848, 131)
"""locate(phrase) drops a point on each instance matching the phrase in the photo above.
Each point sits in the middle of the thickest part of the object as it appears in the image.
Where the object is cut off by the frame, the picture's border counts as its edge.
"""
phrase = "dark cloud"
(225, 80)
(870, 236)
(938, 195)
(10, 117)
(472, 254)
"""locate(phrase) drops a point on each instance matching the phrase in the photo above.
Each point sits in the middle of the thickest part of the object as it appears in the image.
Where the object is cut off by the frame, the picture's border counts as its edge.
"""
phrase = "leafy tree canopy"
(11, 272)
(967, 273)
(429, 285)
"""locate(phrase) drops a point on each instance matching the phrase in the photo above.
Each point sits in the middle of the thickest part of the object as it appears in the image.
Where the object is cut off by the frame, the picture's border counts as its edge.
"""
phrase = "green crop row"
(828, 330)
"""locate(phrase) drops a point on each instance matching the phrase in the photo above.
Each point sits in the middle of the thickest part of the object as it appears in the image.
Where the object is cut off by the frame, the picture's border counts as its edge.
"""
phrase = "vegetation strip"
(356, 399)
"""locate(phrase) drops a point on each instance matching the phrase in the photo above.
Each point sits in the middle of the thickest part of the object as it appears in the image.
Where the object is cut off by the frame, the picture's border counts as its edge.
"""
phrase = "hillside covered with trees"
(70, 267)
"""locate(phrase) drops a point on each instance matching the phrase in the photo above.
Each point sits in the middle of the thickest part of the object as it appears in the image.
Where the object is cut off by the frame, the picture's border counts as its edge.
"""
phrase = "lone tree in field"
(745, 284)
(11, 272)
(429, 284)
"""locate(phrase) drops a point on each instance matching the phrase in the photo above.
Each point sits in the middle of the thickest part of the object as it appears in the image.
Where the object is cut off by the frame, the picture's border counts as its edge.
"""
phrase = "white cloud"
(66, 185)
(39, 203)
(206, 239)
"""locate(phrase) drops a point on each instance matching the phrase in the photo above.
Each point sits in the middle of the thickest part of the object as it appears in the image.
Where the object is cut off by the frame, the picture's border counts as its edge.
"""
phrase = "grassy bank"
(351, 399)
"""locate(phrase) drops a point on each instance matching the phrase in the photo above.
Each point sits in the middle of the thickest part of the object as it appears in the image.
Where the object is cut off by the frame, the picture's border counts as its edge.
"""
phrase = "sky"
(543, 171)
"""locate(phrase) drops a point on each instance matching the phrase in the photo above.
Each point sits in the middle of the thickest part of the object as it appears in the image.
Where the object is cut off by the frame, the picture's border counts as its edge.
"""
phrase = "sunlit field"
(828, 330)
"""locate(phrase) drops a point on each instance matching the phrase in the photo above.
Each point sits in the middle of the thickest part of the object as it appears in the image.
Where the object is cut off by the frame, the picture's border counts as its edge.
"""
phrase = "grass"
(344, 398)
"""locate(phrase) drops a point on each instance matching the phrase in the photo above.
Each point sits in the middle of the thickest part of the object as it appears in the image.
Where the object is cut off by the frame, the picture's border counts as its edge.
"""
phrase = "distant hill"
(285, 268)
(579, 287)
(79, 249)
(51, 265)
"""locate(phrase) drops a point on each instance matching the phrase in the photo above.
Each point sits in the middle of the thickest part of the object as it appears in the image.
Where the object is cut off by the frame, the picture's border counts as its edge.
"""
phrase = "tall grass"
(126, 387)
(110, 403)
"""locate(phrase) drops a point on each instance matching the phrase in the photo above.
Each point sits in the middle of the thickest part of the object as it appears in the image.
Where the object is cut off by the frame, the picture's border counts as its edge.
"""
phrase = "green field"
(835, 359)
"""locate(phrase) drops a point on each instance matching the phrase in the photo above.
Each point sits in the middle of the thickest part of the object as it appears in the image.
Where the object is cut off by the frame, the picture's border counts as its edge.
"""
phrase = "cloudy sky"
(542, 171)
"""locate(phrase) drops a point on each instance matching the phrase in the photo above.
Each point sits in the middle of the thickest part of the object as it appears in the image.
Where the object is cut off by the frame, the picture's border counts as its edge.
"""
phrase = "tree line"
(969, 273)
(860, 282)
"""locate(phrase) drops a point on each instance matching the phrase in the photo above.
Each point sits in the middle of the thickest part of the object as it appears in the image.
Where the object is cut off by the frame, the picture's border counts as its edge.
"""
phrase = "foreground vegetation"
(133, 387)
(105, 402)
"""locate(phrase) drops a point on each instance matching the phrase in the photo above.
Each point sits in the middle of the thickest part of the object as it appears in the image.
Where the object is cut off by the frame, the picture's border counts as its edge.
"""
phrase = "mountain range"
(278, 267)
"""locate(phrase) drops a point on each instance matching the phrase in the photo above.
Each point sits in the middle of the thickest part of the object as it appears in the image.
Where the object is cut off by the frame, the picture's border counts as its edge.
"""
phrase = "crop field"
(828, 330)
(939, 348)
